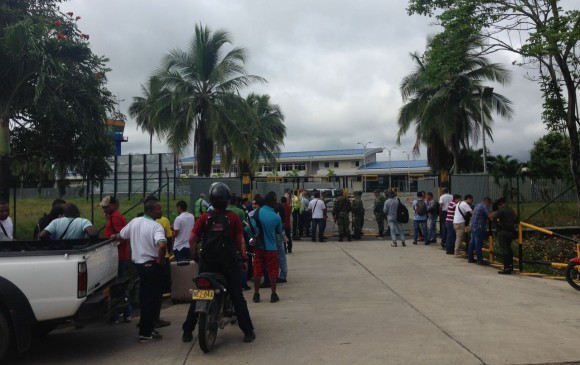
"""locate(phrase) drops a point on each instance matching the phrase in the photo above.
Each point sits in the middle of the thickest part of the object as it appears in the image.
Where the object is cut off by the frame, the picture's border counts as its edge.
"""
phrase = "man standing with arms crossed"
(148, 246)
(444, 201)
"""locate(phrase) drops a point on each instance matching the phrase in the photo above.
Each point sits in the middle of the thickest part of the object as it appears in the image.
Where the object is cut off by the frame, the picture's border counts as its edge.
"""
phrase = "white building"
(349, 168)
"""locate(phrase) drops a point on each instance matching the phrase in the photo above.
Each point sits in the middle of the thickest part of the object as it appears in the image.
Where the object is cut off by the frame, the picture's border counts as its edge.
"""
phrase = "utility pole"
(364, 145)
(390, 167)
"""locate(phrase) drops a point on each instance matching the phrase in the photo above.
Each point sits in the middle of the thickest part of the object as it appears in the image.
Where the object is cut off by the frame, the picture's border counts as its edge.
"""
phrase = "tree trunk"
(150, 143)
(5, 158)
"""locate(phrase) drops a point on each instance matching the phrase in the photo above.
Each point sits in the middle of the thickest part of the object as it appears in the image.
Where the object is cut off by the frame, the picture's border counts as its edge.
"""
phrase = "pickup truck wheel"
(5, 335)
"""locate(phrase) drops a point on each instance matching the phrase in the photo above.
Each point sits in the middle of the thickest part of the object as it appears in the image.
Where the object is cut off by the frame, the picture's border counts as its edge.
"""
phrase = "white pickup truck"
(46, 283)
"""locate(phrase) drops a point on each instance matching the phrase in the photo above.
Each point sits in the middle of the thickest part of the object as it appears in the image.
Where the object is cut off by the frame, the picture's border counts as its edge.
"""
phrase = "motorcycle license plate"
(202, 295)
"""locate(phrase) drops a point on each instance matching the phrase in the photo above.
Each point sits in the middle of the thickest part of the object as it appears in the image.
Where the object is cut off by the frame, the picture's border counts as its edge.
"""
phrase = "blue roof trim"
(307, 154)
(379, 165)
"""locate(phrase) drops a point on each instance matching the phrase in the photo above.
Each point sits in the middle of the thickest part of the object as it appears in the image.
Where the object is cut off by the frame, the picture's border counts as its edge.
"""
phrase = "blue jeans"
(450, 237)
(476, 243)
(423, 225)
(432, 232)
(392, 224)
(282, 262)
(320, 223)
(183, 255)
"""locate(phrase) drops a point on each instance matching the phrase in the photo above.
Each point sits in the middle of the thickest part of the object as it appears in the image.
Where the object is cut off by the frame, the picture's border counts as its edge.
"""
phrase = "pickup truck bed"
(54, 281)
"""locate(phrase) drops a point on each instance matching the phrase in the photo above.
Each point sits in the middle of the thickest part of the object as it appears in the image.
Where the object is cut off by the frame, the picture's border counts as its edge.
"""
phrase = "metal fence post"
(520, 248)
(130, 176)
(115, 177)
(14, 211)
(144, 176)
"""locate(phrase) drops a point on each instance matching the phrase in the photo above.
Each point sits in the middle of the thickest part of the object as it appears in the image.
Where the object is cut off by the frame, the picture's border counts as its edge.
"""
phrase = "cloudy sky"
(334, 67)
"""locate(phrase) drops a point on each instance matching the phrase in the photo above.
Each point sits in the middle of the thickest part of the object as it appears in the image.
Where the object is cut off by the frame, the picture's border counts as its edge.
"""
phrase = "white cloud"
(333, 67)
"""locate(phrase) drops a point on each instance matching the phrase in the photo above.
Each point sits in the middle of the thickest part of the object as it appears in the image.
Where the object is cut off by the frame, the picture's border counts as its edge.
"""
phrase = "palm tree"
(260, 132)
(506, 168)
(447, 114)
(203, 83)
(147, 109)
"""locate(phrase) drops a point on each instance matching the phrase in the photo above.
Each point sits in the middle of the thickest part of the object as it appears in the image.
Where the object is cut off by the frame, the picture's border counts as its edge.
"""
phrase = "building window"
(357, 163)
(336, 164)
(300, 166)
(217, 170)
(287, 167)
(267, 168)
(327, 164)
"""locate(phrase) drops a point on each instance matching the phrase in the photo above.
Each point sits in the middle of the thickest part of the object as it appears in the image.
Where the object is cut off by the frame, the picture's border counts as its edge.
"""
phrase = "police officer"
(340, 213)
(378, 211)
(505, 220)
(358, 215)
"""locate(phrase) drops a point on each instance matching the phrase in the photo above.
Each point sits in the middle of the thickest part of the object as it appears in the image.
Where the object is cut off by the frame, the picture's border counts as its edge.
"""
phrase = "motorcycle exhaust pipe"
(226, 320)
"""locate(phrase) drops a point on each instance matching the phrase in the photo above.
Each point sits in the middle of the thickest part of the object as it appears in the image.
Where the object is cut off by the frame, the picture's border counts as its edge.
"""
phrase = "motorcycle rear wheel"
(573, 275)
(208, 326)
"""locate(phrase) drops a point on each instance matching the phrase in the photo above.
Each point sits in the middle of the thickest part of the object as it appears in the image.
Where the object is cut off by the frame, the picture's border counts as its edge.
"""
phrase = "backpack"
(421, 207)
(434, 208)
(218, 251)
(402, 213)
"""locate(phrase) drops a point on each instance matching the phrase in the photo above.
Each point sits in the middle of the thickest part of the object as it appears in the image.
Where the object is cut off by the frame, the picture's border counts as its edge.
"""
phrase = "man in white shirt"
(461, 218)
(6, 226)
(182, 227)
(444, 201)
(318, 210)
(148, 246)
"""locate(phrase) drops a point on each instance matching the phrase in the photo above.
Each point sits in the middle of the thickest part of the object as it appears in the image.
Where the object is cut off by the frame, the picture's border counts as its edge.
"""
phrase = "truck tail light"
(82, 280)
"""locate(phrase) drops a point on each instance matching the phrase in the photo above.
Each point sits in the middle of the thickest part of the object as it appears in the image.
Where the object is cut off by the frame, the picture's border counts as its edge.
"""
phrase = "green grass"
(29, 211)
(559, 214)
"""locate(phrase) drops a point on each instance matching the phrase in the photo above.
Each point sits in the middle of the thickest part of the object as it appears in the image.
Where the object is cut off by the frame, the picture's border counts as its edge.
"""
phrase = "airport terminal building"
(348, 168)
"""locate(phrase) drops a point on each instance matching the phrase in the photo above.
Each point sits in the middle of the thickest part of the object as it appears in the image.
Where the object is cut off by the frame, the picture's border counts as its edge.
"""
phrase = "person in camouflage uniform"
(378, 210)
(358, 215)
(340, 212)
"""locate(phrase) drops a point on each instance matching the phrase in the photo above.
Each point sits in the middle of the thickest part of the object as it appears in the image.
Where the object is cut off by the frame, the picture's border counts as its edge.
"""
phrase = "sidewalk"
(364, 302)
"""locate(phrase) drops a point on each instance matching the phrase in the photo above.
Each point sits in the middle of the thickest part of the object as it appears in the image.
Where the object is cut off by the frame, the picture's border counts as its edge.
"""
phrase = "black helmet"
(219, 195)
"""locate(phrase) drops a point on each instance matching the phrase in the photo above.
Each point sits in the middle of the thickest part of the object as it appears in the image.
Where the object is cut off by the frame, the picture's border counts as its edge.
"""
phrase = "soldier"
(340, 213)
(378, 210)
(358, 215)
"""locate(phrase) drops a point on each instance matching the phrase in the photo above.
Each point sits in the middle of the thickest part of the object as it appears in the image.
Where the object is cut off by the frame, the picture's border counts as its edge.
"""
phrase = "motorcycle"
(213, 306)
(573, 274)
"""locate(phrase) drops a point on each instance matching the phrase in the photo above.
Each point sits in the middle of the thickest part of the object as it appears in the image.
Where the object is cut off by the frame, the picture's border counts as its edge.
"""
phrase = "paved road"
(366, 303)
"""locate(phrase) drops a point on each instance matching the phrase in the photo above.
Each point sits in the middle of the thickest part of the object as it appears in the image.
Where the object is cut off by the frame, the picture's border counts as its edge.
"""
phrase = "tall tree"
(147, 109)
(546, 37)
(549, 157)
(443, 100)
(48, 75)
(204, 82)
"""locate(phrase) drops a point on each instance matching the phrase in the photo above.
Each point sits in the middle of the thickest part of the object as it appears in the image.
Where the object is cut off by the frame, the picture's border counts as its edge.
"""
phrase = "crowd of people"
(262, 231)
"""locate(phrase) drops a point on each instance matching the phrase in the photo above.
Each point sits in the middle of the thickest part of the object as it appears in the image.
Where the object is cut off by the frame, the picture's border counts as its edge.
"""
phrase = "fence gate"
(429, 184)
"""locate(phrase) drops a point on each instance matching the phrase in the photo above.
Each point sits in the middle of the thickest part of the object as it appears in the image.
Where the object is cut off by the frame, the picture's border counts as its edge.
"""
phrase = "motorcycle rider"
(219, 199)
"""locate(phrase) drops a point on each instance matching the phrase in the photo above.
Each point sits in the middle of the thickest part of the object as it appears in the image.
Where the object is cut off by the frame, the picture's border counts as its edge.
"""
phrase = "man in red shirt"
(115, 223)
(219, 198)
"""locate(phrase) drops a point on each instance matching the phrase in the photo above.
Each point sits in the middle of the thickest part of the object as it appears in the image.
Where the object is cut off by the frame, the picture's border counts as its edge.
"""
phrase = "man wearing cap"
(358, 215)
(378, 211)
(115, 223)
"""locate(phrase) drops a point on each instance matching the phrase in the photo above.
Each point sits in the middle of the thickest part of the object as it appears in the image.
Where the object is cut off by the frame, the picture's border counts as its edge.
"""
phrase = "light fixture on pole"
(484, 93)
(364, 145)
(390, 149)
(408, 170)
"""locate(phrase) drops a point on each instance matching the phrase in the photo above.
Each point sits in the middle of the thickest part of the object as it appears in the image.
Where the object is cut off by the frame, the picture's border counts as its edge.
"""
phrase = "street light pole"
(484, 93)
(390, 149)
(364, 145)
(408, 171)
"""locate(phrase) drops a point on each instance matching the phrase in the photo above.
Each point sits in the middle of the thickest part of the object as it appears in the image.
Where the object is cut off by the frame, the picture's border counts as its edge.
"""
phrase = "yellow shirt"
(167, 228)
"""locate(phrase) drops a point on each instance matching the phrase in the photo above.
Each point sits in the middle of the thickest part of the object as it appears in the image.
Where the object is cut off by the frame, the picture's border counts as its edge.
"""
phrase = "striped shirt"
(450, 211)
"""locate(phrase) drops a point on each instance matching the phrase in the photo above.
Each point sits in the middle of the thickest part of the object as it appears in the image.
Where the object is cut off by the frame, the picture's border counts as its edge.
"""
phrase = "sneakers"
(414, 242)
(187, 337)
(127, 319)
(154, 337)
(403, 244)
(274, 298)
(256, 298)
(394, 244)
(281, 280)
(249, 337)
